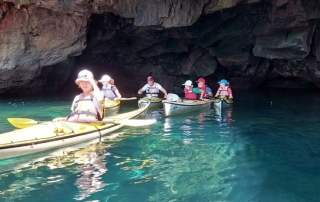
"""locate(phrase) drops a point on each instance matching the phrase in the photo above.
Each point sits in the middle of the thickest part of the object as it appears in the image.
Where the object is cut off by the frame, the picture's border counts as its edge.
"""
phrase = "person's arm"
(140, 91)
(96, 90)
(230, 93)
(164, 92)
(201, 94)
(217, 94)
(117, 94)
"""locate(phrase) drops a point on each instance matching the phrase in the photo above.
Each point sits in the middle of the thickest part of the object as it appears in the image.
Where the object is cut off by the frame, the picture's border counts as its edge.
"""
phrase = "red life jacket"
(188, 94)
(205, 95)
(84, 110)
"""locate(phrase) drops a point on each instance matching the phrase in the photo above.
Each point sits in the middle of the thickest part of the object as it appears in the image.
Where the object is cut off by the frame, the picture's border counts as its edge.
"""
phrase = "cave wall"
(43, 44)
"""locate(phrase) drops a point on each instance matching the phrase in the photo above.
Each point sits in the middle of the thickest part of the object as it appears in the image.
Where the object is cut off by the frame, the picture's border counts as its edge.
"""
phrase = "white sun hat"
(105, 78)
(84, 75)
(188, 83)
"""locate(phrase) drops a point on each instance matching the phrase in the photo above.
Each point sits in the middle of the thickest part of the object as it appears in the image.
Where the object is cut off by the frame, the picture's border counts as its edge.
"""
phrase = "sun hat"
(188, 83)
(201, 80)
(105, 78)
(84, 75)
(223, 81)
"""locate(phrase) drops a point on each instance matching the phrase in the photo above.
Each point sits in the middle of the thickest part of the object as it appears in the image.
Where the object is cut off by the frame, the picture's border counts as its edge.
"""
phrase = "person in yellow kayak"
(87, 106)
(109, 90)
(152, 88)
(224, 90)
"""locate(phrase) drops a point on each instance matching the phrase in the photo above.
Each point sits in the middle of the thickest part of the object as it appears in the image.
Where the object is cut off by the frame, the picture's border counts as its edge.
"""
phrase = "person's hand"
(116, 99)
(91, 79)
(139, 92)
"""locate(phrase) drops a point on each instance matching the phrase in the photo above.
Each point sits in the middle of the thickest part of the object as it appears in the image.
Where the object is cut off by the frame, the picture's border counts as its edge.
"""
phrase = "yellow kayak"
(155, 103)
(50, 135)
(111, 107)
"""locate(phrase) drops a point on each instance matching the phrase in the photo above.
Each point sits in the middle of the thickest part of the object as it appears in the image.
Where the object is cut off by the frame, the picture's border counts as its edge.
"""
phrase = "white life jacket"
(153, 90)
(84, 110)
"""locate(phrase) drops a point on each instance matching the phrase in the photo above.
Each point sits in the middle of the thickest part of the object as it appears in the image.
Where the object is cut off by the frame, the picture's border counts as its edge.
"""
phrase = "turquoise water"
(265, 148)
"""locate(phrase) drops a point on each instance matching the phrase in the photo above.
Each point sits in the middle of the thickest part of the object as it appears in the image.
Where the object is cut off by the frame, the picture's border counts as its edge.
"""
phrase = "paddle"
(136, 95)
(130, 98)
(24, 122)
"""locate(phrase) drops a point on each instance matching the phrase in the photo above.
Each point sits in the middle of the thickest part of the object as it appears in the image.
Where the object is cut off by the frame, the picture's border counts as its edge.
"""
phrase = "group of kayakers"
(205, 92)
(88, 106)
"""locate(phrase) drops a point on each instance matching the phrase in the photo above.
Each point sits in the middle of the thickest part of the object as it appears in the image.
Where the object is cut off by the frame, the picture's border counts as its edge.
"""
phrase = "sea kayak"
(220, 103)
(111, 107)
(51, 135)
(183, 106)
(155, 103)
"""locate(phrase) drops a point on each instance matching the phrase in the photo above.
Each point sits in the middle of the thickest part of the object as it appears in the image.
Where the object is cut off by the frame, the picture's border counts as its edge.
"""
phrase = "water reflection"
(92, 166)
(223, 116)
(89, 162)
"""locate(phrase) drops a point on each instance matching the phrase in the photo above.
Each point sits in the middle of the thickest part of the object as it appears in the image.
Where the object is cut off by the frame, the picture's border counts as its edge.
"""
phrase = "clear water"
(266, 148)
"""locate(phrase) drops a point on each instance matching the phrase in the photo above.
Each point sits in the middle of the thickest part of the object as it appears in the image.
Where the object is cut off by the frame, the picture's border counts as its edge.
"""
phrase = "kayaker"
(188, 90)
(204, 90)
(109, 90)
(224, 90)
(88, 105)
(152, 88)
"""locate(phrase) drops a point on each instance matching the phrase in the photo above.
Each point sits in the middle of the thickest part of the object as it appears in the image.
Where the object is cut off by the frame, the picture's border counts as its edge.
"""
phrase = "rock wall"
(44, 43)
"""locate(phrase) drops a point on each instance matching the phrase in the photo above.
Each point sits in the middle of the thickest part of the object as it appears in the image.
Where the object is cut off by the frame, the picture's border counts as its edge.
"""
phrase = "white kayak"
(183, 106)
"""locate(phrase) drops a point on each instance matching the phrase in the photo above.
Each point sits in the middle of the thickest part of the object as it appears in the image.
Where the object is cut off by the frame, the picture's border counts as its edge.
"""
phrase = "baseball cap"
(84, 75)
(105, 78)
(223, 81)
(201, 80)
(188, 83)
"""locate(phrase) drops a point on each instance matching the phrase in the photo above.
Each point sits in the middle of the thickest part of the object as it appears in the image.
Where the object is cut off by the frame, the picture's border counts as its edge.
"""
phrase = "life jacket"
(153, 90)
(108, 92)
(84, 110)
(204, 87)
(223, 92)
(188, 94)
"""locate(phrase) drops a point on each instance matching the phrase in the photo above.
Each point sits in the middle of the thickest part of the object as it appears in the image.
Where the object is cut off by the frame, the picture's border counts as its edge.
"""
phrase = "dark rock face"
(29, 44)
(43, 43)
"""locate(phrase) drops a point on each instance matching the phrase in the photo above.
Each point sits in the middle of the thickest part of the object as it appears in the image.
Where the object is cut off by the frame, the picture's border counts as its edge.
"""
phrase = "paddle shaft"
(24, 122)
(130, 98)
